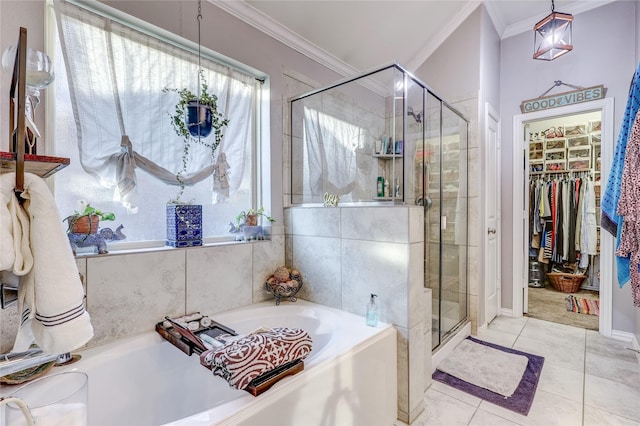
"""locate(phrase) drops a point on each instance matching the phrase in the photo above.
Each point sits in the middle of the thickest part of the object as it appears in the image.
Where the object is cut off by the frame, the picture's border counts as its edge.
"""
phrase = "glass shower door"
(445, 216)
(453, 187)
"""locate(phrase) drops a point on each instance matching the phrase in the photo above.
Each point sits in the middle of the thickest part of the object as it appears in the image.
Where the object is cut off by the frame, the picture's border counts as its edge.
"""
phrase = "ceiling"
(355, 35)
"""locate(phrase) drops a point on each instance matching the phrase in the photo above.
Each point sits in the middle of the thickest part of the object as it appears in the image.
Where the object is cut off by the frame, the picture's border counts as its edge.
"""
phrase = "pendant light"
(199, 116)
(552, 35)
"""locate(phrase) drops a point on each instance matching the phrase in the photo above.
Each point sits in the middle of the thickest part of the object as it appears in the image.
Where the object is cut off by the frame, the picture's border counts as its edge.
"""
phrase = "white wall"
(599, 57)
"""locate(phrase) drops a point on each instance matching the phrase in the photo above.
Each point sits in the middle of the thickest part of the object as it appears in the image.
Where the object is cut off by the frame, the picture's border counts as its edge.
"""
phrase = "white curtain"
(116, 79)
(329, 154)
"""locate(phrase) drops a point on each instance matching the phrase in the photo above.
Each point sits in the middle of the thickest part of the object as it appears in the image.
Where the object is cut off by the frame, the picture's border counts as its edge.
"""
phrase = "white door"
(492, 215)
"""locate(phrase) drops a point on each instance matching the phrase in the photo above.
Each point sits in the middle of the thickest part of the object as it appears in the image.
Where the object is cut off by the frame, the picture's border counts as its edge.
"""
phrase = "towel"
(50, 294)
(244, 359)
(610, 220)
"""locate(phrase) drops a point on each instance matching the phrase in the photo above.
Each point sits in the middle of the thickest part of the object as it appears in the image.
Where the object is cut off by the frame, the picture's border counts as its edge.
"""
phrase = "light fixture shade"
(553, 36)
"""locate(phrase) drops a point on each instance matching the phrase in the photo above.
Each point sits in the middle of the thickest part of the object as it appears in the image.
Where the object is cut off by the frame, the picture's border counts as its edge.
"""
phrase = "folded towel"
(50, 294)
(244, 359)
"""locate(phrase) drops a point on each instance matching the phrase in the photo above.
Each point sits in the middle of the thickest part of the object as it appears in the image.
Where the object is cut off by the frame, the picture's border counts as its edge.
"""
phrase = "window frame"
(260, 155)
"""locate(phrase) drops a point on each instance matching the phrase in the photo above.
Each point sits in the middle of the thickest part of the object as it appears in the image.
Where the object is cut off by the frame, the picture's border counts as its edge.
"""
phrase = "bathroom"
(119, 309)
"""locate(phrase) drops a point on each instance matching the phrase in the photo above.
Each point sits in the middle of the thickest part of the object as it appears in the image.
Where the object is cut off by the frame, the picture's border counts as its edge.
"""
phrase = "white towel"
(50, 294)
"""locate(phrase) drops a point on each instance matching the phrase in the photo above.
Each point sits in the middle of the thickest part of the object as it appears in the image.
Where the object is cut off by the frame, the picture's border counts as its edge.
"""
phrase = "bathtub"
(350, 376)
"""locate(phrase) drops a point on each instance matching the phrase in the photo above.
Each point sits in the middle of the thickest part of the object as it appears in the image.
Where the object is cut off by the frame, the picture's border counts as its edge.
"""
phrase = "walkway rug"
(582, 305)
(522, 397)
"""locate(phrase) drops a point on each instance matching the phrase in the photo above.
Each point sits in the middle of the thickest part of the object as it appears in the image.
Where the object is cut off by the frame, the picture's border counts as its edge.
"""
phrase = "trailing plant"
(179, 124)
(242, 216)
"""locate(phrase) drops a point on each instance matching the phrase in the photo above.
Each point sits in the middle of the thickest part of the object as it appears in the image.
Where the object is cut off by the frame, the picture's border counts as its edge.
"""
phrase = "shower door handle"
(491, 231)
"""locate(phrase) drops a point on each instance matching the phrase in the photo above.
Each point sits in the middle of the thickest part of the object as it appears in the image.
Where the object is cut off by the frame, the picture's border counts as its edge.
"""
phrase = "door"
(492, 215)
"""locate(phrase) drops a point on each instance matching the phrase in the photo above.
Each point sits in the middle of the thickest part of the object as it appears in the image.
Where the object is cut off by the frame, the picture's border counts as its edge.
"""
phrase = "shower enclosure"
(385, 139)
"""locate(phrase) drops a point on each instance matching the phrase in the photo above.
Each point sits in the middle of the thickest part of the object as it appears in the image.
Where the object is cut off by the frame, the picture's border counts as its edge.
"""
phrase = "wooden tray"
(258, 385)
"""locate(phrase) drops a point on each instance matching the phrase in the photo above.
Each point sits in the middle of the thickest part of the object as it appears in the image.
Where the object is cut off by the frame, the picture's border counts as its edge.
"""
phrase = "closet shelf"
(41, 165)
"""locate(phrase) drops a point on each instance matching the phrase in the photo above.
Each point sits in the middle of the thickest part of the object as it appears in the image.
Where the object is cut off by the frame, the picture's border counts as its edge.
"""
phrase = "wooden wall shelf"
(40, 165)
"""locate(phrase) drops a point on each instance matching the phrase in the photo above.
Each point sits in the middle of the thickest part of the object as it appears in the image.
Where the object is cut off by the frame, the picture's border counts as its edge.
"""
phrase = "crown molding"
(574, 8)
(262, 22)
(423, 54)
(498, 22)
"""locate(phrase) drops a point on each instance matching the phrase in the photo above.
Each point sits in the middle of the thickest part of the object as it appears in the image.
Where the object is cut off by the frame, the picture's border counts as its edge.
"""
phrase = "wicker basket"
(566, 283)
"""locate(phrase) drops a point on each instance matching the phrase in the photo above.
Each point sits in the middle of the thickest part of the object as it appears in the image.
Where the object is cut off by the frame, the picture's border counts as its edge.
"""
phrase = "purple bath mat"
(522, 398)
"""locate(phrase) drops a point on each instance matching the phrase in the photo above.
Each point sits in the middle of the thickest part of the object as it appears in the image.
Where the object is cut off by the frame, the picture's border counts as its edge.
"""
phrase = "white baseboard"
(506, 312)
(623, 336)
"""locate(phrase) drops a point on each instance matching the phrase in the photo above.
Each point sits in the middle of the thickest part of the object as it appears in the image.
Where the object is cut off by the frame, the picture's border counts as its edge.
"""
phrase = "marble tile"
(512, 325)
(474, 236)
(129, 294)
(403, 370)
(475, 280)
(474, 172)
(498, 337)
(619, 370)
(416, 367)
(485, 418)
(467, 398)
(605, 346)
(547, 409)
(288, 249)
(267, 256)
(416, 224)
(614, 397)
(386, 224)
(319, 260)
(380, 268)
(562, 382)
(219, 278)
(316, 221)
(562, 356)
(416, 284)
(288, 229)
(441, 409)
(597, 417)
(550, 332)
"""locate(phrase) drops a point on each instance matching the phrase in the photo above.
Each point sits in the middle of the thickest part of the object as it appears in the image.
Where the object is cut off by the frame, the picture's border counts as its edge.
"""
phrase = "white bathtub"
(349, 378)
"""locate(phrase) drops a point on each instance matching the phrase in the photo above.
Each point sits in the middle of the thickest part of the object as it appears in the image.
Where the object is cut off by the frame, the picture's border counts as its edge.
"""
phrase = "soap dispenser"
(372, 311)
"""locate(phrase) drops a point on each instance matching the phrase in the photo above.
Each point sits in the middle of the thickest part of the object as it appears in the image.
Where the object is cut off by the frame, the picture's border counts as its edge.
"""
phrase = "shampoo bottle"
(372, 311)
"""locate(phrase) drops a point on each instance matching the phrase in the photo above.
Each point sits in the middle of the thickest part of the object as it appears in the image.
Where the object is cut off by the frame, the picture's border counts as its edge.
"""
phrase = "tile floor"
(586, 380)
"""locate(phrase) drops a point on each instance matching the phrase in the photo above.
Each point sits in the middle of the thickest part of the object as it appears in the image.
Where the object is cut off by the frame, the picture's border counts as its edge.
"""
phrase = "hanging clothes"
(573, 213)
(629, 210)
(611, 221)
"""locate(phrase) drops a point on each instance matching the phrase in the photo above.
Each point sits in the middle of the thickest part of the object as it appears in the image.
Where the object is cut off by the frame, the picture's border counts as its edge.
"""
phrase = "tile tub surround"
(347, 253)
(128, 293)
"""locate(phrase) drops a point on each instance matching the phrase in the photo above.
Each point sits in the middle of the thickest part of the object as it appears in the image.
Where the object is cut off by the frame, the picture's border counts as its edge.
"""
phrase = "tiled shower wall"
(347, 253)
(128, 294)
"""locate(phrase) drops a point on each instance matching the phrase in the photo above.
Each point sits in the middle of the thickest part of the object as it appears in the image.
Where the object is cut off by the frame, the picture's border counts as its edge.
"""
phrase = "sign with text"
(563, 99)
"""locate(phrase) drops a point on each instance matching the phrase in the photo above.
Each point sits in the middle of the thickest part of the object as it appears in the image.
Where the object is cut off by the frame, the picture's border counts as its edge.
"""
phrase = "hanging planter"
(194, 119)
(199, 119)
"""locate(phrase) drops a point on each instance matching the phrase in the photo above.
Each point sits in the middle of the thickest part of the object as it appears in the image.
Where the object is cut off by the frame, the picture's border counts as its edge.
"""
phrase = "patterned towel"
(244, 359)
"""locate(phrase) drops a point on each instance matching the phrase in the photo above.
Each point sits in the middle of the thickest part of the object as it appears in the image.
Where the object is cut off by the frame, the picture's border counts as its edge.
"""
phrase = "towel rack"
(16, 160)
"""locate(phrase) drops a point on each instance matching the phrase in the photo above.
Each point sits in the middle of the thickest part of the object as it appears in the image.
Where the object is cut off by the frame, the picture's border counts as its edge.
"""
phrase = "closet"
(563, 189)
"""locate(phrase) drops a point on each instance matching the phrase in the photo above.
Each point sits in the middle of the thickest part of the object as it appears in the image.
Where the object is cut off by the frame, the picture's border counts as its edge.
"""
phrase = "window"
(110, 84)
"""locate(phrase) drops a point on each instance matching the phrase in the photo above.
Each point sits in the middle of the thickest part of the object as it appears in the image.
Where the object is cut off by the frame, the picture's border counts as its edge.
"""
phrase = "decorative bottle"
(372, 311)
